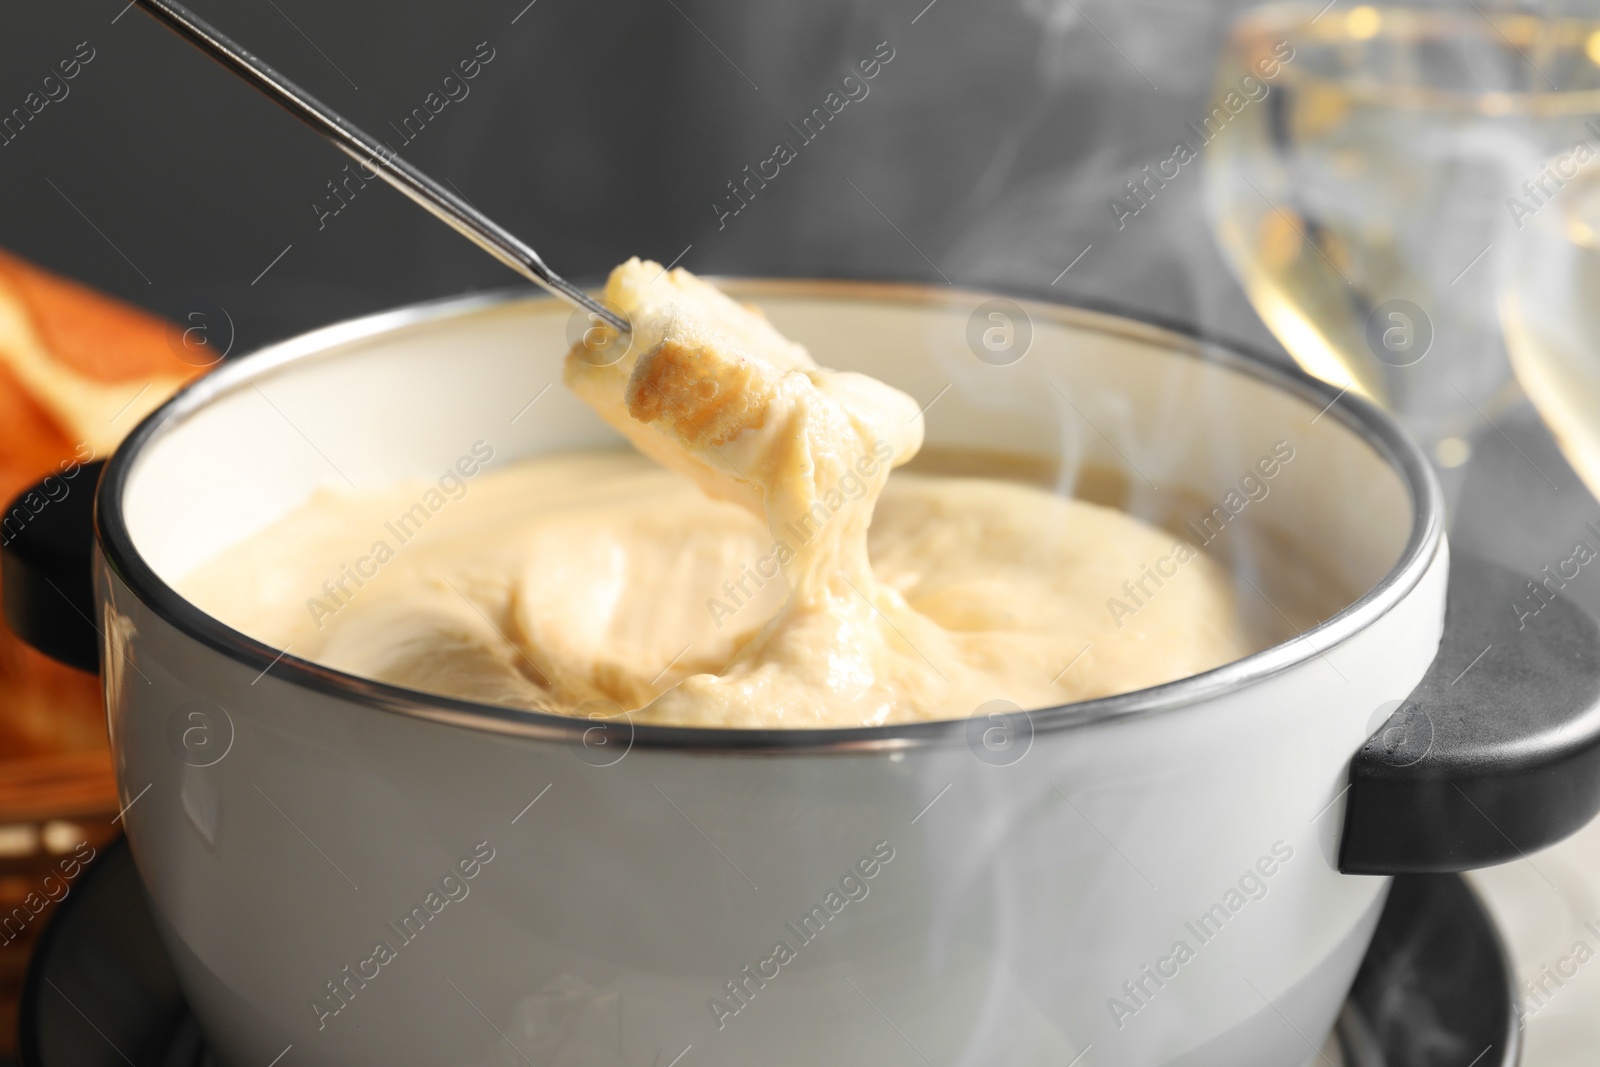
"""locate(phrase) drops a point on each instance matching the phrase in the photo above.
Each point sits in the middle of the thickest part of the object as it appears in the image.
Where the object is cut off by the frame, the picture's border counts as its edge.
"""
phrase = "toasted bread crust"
(705, 394)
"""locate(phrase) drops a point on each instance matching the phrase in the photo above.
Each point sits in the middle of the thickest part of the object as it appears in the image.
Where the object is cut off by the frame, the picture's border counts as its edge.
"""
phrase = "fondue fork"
(375, 156)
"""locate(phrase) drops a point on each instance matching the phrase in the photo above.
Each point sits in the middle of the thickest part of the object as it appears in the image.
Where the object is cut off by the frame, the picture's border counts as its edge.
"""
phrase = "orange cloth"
(45, 707)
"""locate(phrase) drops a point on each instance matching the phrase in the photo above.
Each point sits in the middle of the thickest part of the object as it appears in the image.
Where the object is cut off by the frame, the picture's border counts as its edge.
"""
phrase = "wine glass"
(1550, 308)
(1366, 190)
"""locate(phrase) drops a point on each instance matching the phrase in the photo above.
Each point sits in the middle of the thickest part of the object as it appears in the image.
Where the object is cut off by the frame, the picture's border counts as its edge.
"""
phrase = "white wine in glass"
(1551, 311)
(1363, 199)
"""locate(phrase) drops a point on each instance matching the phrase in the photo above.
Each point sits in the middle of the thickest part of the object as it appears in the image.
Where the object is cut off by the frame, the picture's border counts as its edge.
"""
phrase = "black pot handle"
(1496, 752)
(46, 542)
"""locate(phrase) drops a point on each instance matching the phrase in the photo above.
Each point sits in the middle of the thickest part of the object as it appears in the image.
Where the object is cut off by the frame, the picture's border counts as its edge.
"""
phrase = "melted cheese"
(766, 571)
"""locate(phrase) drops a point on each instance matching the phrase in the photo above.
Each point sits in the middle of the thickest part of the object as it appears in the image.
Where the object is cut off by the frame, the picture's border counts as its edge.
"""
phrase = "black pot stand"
(1435, 988)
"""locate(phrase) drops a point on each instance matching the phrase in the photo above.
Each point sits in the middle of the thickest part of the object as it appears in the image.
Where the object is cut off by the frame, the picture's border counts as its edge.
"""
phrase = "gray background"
(985, 153)
(606, 129)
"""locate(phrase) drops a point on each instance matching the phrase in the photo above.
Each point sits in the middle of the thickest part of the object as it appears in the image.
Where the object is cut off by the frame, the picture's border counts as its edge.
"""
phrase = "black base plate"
(1435, 989)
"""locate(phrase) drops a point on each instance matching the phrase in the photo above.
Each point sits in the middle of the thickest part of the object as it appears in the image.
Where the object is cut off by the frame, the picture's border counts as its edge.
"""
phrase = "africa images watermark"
(852, 486)
(853, 888)
(452, 89)
(52, 890)
(1541, 594)
(342, 989)
(200, 732)
(451, 485)
(1552, 177)
(1139, 991)
(53, 89)
(53, 489)
(1249, 89)
(855, 89)
(1551, 978)
(1253, 488)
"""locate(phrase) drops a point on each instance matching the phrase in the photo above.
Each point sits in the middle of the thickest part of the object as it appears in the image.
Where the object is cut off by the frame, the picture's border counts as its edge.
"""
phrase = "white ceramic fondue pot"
(1187, 874)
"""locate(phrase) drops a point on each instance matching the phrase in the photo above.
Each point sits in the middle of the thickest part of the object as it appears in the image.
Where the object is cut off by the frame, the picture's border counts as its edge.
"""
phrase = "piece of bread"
(699, 389)
(78, 370)
(94, 365)
(700, 369)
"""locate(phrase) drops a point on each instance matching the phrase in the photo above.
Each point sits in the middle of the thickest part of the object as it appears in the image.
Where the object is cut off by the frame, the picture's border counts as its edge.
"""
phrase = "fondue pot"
(1186, 874)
